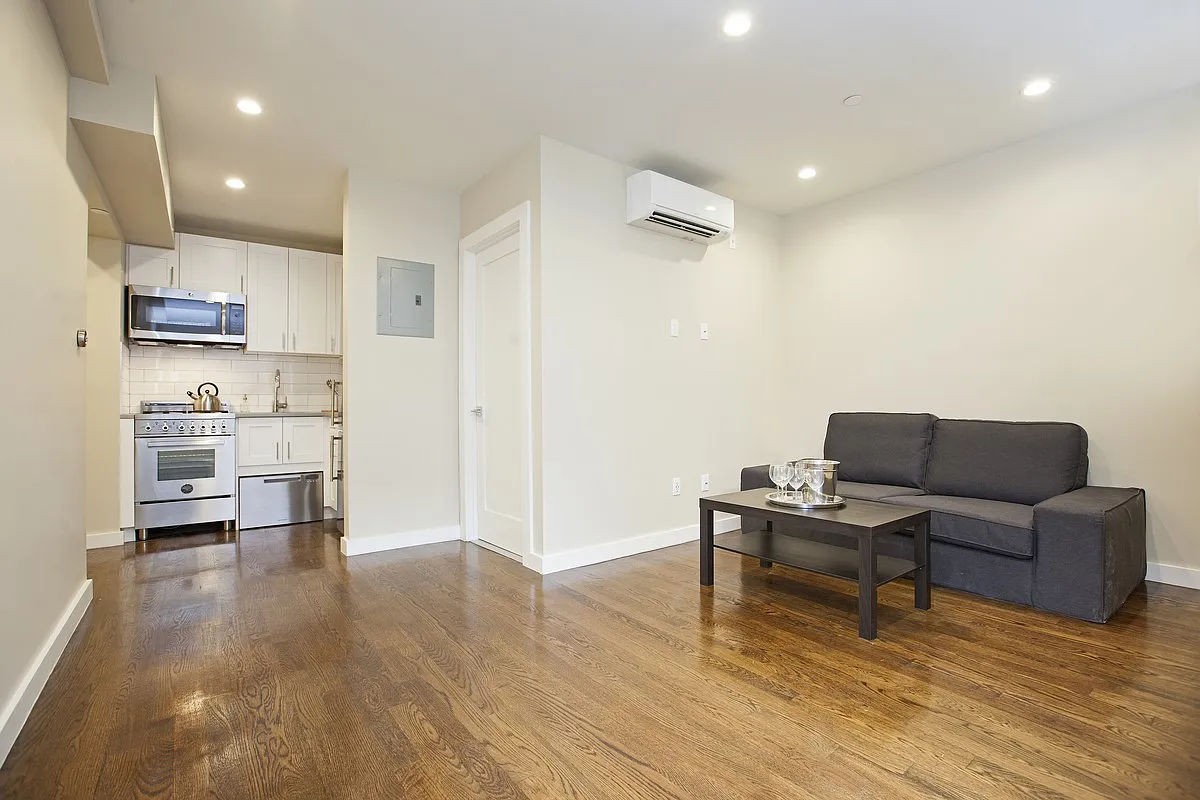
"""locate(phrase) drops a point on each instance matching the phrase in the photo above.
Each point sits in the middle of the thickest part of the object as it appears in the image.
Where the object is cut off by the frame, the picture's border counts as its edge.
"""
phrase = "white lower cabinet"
(305, 440)
(260, 441)
(270, 441)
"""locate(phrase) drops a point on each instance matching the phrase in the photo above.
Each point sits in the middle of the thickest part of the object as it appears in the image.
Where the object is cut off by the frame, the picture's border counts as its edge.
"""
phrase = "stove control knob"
(149, 427)
(192, 427)
(165, 427)
(181, 427)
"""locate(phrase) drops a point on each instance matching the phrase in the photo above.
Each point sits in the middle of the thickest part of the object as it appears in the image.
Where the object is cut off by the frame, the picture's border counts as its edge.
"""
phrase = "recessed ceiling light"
(235, 183)
(852, 100)
(737, 23)
(248, 105)
(807, 173)
(1037, 87)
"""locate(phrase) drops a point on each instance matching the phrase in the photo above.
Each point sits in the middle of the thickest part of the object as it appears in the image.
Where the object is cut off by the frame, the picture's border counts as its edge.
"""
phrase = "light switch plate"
(676, 487)
(704, 482)
(674, 327)
(704, 331)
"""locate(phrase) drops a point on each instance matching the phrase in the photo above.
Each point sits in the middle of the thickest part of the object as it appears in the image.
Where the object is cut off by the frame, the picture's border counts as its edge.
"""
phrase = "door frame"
(518, 221)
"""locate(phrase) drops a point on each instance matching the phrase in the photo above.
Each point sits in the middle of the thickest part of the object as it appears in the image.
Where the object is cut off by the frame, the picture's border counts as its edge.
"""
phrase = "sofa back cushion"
(1015, 462)
(880, 448)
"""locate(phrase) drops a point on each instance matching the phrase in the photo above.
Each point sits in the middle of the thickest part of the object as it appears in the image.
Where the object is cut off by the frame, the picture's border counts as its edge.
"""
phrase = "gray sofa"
(1012, 515)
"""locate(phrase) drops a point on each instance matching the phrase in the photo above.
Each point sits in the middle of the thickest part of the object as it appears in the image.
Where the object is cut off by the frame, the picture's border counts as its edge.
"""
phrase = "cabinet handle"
(331, 347)
(293, 342)
(171, 276)
(277, 451)
(289, 451)
(242, 283)
(282, 342)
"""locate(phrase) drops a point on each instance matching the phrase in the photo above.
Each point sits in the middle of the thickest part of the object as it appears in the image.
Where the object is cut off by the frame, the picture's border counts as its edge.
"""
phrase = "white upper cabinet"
(266, 299)
(212, 265)
(335, 305)
(152, 266)
(308, 301)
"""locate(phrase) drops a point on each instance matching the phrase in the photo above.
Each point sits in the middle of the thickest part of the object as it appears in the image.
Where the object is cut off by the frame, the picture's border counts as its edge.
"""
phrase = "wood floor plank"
(267, 665)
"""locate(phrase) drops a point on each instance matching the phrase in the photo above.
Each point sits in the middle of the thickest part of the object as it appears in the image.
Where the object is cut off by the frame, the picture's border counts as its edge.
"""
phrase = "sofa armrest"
(755, 478)
(1091, 551)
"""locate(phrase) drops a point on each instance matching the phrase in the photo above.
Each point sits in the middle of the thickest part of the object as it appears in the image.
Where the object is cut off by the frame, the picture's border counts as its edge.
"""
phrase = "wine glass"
(780, 475)
(797, 480)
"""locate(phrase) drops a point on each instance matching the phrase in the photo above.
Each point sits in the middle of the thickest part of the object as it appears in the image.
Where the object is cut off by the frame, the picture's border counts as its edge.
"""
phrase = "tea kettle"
(203, 401)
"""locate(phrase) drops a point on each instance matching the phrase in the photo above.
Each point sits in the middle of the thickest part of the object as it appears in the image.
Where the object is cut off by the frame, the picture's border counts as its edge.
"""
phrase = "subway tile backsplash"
(246, 380)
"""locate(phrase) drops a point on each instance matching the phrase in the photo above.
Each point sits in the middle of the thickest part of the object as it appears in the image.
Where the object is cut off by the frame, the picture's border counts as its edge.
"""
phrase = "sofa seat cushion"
(1015, 462)
(991, 525)
(882, 448)
(873, 491)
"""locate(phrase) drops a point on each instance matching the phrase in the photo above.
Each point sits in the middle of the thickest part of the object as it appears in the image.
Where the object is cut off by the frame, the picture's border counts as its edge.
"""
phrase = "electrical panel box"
(404, 298)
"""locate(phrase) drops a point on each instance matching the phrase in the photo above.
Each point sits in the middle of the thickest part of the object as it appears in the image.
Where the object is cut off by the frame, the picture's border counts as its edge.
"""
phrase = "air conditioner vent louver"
(707, 231)
(665, 205)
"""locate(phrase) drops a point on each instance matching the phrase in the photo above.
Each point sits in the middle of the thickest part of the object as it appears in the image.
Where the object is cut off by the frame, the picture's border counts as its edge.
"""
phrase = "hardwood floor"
(274, 668)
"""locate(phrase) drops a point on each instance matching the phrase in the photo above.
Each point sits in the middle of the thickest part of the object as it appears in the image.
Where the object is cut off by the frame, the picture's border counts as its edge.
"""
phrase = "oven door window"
(175, 315)
(187, 465)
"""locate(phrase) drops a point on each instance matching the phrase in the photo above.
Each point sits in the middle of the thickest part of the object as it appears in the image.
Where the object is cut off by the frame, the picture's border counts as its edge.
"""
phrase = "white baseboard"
(17, 708)
(357, 546)
(595, 554)
(1176, 576)
(108, 539)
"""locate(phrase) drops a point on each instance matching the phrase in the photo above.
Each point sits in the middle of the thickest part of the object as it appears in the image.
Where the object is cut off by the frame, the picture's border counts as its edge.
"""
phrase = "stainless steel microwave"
(158, 315)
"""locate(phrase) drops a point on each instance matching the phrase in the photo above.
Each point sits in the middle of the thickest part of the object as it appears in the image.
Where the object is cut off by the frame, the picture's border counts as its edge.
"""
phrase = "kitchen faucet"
(278, 405)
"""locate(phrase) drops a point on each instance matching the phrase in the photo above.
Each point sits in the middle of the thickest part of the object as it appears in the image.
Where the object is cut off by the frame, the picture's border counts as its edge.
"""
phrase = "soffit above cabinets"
(120, 128)
(78, 29)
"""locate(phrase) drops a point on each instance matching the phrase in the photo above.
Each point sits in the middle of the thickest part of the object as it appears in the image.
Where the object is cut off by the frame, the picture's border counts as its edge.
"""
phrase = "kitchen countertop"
(289, 413)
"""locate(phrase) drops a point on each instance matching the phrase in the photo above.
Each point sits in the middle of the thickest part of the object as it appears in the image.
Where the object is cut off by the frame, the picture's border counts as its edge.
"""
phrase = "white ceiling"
(440, 91)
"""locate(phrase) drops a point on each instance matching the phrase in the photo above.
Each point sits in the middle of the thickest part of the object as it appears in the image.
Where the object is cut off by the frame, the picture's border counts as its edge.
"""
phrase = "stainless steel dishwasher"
(280, 499)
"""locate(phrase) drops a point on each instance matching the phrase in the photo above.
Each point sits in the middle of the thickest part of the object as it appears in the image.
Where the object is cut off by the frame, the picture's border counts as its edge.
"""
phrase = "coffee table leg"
(767, 563)
(706, 547)
(921, 559)
(866, 587)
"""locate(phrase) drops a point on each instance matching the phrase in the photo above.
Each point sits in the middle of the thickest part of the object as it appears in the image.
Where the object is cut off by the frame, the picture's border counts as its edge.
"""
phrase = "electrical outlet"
(704, 482)
(704, 331)
(733, 241)
(674, 327)
(676, 487)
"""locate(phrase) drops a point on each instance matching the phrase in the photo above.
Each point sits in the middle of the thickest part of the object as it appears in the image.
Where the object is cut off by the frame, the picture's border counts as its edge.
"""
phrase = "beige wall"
(43, 223)
(625, 406)
(1053, 279)
(102, 361)
(401, 393)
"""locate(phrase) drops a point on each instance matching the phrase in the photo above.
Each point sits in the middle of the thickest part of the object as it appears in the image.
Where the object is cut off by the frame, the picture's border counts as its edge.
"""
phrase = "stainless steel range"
(185, 467)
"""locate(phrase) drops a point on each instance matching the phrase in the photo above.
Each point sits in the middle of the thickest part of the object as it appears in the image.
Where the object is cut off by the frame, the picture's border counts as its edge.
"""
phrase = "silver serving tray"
(790, 500)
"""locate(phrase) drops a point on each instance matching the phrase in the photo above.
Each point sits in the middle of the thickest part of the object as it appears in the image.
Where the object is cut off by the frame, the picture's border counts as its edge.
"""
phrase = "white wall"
(401, 393)
(43, 223)
(103, 360)
(1053, 279)
(625, 406)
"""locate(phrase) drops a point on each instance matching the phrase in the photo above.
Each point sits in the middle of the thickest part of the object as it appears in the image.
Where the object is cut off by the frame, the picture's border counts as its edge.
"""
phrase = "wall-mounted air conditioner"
(663, 204)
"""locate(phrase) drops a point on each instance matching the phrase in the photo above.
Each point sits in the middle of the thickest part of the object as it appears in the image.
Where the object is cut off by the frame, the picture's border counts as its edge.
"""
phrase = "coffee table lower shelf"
(826, 559)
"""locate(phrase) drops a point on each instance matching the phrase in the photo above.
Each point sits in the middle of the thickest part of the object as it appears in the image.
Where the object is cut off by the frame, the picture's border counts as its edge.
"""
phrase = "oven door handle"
(188, 443)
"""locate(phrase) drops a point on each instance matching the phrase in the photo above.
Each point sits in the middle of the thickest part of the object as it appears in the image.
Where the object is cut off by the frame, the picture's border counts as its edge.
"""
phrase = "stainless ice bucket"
(820, 479)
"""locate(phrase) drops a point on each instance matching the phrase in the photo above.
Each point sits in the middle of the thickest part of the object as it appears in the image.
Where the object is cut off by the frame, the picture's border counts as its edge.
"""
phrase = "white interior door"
(500, 475)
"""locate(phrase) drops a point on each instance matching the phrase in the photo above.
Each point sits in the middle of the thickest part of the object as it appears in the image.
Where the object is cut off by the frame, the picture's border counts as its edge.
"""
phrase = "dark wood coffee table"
(857, 519)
